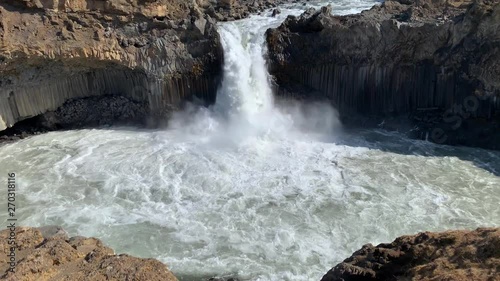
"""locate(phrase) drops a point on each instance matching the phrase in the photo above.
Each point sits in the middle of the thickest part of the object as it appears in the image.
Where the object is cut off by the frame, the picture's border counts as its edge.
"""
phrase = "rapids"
(247, 188)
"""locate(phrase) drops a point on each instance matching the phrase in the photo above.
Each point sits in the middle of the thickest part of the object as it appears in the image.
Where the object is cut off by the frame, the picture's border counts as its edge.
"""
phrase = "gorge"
(432, 63)
(242, 182)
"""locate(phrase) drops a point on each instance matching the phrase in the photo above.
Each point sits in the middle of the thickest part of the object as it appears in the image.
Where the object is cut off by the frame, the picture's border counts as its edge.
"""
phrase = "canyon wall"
(152, 54)
(156, 53)
(436, 62)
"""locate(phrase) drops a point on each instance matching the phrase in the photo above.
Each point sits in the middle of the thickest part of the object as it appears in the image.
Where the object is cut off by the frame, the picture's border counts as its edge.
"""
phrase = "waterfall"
(245, 93)
(251, 188)
(245, 99)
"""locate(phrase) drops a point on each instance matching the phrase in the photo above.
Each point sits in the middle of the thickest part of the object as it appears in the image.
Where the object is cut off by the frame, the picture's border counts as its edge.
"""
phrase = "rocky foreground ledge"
(433, 63)
(452, 255)
(47, 253)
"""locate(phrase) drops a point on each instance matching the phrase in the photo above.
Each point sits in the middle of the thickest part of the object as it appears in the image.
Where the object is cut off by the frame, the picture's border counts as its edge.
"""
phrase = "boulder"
(47, 253)
(452, 255)
(432, 60)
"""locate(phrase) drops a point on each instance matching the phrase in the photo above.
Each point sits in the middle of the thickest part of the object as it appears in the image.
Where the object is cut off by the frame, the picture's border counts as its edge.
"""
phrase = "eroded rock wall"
(434, 60)
(158, 52)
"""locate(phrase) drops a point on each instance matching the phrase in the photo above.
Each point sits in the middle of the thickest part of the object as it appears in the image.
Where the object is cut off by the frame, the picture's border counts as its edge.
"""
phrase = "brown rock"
(55, 51)
(452, 255)
(227, 3)
(156, 53)
(46, 253)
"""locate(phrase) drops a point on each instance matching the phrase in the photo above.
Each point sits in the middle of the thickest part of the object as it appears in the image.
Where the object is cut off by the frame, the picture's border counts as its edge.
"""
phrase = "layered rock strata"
(434, 61)
(152, 54)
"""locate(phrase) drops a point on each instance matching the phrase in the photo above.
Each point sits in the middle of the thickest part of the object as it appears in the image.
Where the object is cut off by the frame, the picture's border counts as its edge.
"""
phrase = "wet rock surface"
(47, 253)
(432, 63)
(451, 255)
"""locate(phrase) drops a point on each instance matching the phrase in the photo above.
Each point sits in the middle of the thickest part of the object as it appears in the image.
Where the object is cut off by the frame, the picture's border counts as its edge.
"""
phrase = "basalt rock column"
(435, 61)
(154, 53)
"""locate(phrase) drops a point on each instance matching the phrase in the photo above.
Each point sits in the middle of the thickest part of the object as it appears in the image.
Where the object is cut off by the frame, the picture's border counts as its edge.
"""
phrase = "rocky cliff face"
(154, 53)
(47, 253)
(452, 255)
(434, 61)
(94, 62)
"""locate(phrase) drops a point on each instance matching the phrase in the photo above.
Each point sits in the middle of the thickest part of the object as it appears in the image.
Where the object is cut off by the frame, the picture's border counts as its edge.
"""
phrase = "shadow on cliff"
(375, 139)
(399, 143)
(19, 6)
(401, 134)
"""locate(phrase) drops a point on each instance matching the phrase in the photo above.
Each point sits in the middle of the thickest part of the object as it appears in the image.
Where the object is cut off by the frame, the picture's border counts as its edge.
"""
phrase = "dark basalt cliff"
(436, 62)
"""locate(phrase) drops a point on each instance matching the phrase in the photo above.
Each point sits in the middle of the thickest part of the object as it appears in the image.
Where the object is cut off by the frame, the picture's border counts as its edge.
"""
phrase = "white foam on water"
(266, 209)
(246, 188)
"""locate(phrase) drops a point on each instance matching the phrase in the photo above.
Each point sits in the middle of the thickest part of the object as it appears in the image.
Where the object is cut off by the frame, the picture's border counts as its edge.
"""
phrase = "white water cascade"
(247, 188)
(245, 89)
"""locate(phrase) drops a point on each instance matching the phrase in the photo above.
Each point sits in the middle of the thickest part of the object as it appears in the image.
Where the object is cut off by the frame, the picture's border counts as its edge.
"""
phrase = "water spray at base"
(248, 188)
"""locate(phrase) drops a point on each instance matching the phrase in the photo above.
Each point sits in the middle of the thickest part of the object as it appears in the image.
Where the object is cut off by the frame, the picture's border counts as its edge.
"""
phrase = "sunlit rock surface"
(47, 253)
(452, 255)
(157, 53)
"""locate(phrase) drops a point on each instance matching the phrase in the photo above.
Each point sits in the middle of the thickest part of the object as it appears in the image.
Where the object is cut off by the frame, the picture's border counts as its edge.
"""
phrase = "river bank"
(48, 254)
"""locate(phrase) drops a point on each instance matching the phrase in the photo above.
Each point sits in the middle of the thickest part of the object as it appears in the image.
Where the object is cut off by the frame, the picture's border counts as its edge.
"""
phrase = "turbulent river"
(247, 188)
